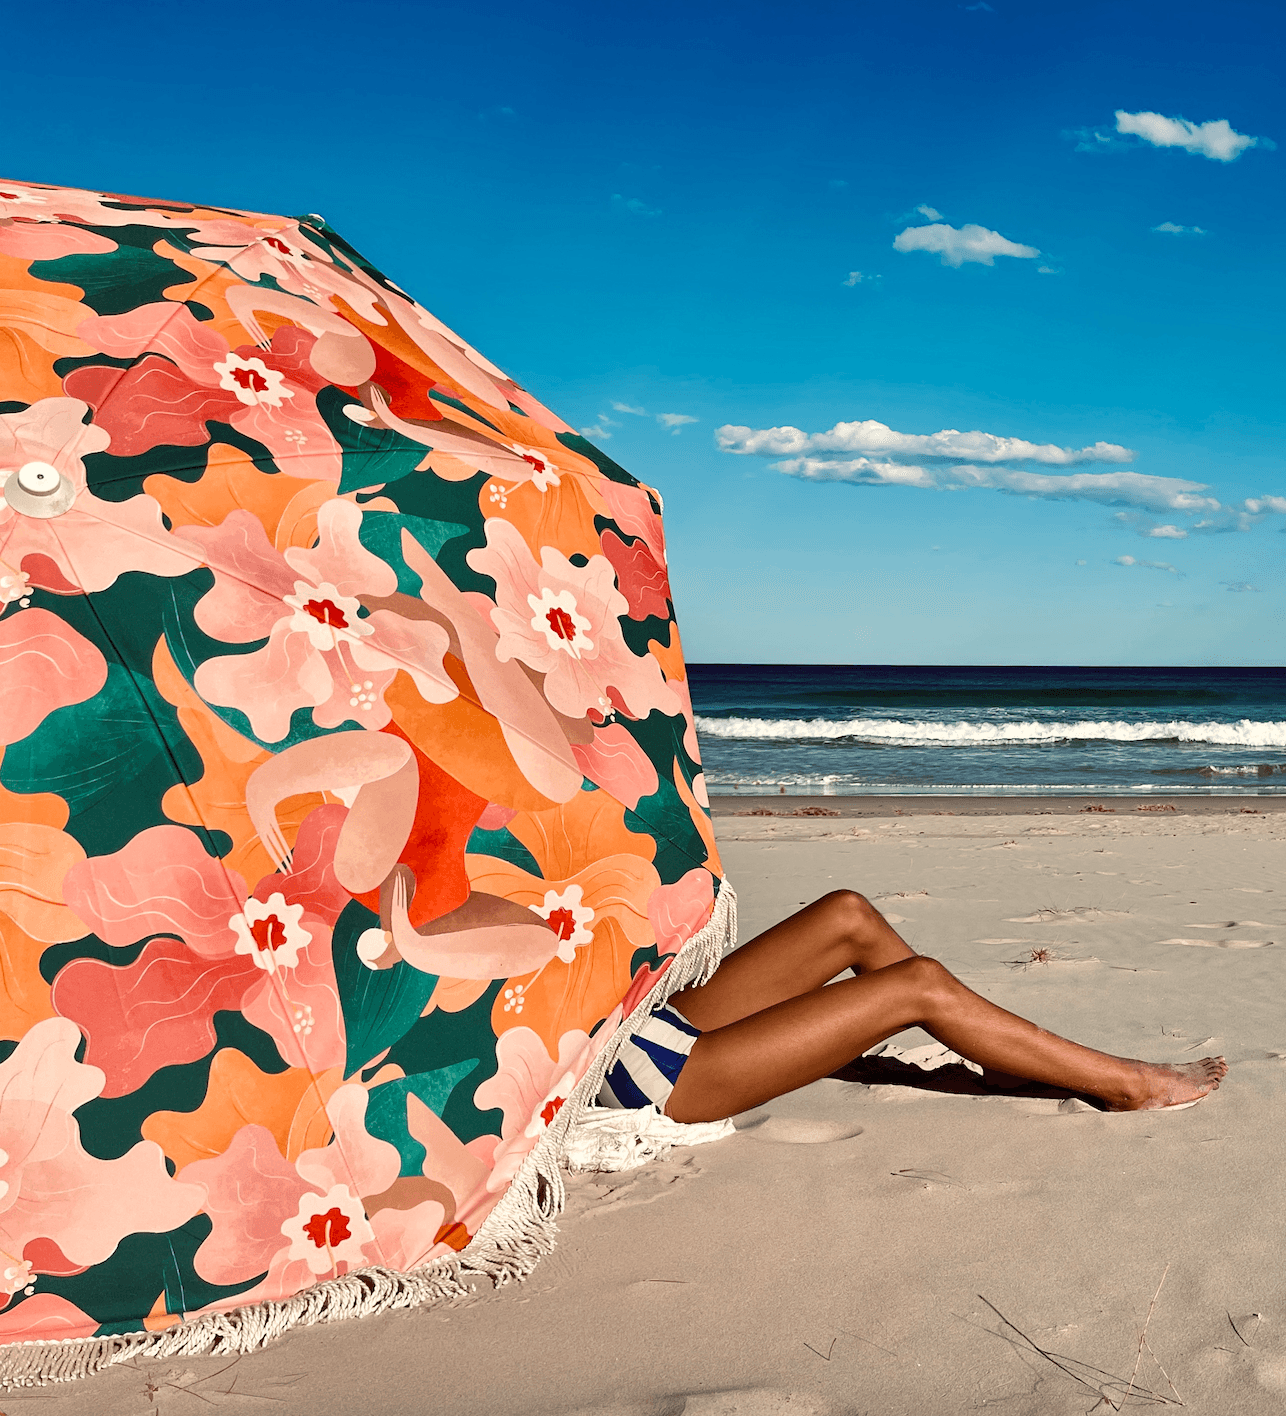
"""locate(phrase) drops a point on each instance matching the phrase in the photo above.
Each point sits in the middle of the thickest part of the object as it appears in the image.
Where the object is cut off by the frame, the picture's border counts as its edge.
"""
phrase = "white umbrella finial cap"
(39, 490)
(39, 478)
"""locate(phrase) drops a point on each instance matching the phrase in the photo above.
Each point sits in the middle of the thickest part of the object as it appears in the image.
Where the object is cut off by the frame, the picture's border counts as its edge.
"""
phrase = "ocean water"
(883, 729)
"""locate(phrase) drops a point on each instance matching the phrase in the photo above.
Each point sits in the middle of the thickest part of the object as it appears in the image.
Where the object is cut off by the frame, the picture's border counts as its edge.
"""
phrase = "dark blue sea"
(875, 729)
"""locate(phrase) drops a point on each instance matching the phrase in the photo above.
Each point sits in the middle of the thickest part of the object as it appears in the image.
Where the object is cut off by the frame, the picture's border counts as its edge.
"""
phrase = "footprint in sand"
(1231, 924)
(796, 1130)
(1222, 943)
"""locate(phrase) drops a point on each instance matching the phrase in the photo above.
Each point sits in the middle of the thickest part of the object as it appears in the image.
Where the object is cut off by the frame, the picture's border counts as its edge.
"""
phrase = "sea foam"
(893, 732)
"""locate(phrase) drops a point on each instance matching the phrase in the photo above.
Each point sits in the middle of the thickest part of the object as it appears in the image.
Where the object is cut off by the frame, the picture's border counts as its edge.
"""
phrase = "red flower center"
(563, 923)
(277, 245)
(561, 623)
(250, 379)
(329, 1229)
(327, 612)
(552, 1108)
(268, 933)
(538, 463)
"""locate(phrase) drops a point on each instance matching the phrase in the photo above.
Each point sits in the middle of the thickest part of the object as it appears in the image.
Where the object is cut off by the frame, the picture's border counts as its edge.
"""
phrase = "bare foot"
(1160, 1084)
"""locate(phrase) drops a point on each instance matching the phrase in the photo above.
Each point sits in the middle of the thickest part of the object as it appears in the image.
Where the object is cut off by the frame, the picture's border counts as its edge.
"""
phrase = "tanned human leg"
(791, 1043)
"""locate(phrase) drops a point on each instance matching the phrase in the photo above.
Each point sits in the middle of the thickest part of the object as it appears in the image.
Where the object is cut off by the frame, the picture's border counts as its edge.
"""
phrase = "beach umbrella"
(350, 801)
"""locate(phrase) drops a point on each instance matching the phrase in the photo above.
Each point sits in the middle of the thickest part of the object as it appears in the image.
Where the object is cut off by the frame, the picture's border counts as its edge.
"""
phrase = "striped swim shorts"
(649, 1062)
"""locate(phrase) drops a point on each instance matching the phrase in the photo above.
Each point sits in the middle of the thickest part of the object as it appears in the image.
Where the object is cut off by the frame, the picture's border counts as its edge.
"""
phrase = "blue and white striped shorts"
(649, 1062)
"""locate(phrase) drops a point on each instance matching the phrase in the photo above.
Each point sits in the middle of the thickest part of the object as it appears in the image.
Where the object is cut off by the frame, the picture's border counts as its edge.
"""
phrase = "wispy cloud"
(625, 408)
(600, 428)
(1147, 565)
(633, 206)
(857, 277)
(955, 461)
(871, 436)
(675, 421)
(1170, 228)
(1215, 139)
(969, 243)
(1049, 270)
(1136, 489)
(928, 212)
(1240, 587)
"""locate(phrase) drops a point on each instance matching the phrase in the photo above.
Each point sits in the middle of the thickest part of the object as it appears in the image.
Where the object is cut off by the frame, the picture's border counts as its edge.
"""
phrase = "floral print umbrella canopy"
(349, 790)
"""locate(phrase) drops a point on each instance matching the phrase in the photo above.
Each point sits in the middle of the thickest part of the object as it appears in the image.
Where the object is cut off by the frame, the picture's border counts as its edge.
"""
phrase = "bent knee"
(926, 975)
(851, 910)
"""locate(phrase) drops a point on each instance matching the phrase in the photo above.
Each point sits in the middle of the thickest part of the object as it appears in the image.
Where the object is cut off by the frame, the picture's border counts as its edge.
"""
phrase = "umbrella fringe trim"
(513, 1238)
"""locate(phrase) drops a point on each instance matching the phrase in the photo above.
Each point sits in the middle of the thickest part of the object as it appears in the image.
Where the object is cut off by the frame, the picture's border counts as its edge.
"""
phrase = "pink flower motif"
(163, 882)
(46, 1318)
(321, 652)
(631, 509)
(44, 665)
(26, 238)
(677, 912)
(531, 1088)
(299, 1222)
(51, 1189)
(642, 581)
(563, 621)
(615, 762)
(88, 546)
(160, 1009)
(192, 375)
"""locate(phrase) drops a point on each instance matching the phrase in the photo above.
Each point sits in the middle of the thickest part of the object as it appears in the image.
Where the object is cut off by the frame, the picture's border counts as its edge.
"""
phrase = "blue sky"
(663, 210)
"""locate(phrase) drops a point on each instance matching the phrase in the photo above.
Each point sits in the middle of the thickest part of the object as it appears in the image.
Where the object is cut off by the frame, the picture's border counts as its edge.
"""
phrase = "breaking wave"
(893, 732)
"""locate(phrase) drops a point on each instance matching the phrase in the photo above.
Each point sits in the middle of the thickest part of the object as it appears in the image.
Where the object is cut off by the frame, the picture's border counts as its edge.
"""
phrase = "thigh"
(795, 1042)
(792, 958)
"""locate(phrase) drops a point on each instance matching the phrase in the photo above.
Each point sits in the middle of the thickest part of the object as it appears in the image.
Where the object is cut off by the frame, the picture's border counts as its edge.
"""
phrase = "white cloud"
(1147, 565)
(927, 211)
(633, 206)
(1082, 562)
(600, 429)
(969, 243)
(1240, 587)
(857, 277)
(1171, 229)
(1215, 139)
(1049, 270)
(625, 408)
(950, 460)
(1107, 488)
(675, 421)
(870, 436)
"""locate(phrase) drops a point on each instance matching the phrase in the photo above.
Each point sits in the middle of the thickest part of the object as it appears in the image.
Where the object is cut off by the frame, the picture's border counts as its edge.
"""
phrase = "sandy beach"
(899, 1240)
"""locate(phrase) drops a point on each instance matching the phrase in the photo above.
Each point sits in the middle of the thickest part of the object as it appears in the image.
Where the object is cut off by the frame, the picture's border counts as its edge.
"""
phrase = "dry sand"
(834, 1256)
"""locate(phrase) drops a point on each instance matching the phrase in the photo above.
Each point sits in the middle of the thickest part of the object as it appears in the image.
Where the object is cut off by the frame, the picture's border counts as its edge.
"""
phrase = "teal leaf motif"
(380, 1005)
(381, 534)
(106, 759)
(386, 1108)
